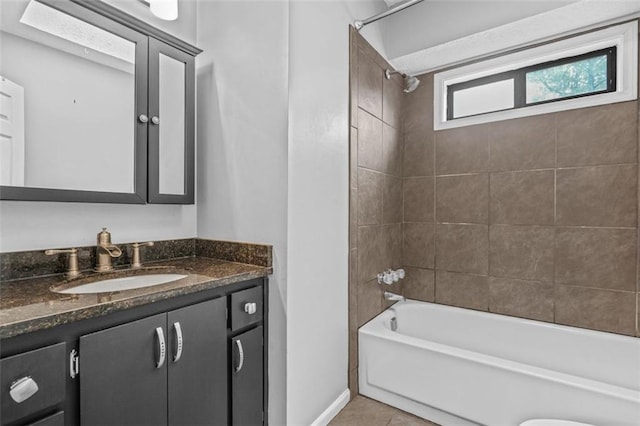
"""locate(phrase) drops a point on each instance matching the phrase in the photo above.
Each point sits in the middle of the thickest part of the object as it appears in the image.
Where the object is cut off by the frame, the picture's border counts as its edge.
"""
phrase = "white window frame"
(624, 37)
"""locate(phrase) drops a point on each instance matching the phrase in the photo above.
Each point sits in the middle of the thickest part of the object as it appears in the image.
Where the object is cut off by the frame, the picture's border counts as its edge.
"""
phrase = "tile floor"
(362, 411)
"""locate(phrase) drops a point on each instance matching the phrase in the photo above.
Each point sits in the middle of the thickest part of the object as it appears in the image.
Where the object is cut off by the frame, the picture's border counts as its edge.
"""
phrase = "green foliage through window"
(572, 79)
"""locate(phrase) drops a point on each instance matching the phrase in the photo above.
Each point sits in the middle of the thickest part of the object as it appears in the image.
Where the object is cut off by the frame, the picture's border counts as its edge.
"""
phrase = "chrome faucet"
(394, 297)
(105, 251)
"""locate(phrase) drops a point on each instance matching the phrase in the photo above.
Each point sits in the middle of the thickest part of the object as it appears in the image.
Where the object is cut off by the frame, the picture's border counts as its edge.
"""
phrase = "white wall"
(317, 293)
(39, 225)
(242, 146)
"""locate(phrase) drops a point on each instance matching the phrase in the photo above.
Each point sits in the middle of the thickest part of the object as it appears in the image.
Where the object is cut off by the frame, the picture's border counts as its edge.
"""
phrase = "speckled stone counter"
(29, 305)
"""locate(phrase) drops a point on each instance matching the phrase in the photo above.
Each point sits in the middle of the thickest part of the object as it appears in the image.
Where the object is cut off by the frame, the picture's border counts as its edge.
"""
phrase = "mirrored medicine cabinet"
(96, 106)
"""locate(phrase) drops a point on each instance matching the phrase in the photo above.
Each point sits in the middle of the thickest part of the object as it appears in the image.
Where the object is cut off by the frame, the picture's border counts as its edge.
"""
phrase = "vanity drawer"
(46, 367)
(246, 307)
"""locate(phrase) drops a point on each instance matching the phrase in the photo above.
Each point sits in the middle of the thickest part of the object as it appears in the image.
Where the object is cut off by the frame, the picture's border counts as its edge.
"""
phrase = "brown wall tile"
(525, 299)
(463, 199)
(523, 198)
(599, 135)
(419, 284)
(369, 301)
(419, 154)
(391, 247)
(596, 257)
(392, 102)
(392, 150)
(370, 248)
(418, 199)
(353, 157)
(462, 248)
(353, 217)
(597, 196)
(597, 309)
(370, 77)
(462, 290)
(523, 143)
(418, 245)
(462, 150)
(369, 197)
(369, 141)
(524, 252)
(391, 199)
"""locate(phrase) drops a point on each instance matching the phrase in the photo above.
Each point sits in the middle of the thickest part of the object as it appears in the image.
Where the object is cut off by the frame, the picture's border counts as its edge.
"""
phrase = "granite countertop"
(29, 305)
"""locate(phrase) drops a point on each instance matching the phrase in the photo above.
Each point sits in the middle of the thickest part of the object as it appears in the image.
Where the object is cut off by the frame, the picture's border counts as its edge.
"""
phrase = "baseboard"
(331, 411)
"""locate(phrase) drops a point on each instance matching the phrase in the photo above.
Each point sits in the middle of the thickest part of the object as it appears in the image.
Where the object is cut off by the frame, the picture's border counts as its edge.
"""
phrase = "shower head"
(410, 82)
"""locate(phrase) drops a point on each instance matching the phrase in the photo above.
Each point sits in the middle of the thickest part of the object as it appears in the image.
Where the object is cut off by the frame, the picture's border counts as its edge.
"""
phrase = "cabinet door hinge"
(74, 363)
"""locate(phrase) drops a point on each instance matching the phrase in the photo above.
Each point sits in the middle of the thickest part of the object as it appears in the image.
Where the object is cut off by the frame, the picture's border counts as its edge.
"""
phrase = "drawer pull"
(23, 389)
(162, 350)
(241, 356)
(250, 308)
(178, 331)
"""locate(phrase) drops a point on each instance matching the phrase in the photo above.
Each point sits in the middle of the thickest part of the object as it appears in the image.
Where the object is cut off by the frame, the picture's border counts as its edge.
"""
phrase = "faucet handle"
(135, 256)
(73, 271)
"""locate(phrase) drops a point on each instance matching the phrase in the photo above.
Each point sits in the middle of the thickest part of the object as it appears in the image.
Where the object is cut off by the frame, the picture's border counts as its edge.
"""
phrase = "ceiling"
(438, 33)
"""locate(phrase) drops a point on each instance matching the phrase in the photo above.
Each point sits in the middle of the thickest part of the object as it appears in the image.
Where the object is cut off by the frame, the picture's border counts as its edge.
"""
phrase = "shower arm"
(358, 24)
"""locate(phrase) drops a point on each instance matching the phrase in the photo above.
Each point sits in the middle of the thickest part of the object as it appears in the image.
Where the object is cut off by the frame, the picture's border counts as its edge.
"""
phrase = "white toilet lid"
(552, 422)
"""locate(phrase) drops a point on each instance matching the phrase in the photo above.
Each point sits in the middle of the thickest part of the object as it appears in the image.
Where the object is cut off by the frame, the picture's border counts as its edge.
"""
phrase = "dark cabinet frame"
(146, 163)
(70, 333)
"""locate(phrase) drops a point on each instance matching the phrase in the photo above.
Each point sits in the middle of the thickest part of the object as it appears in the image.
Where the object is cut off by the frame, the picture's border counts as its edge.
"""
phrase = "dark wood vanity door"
(120, 381)
(198, 378)
(247, 371)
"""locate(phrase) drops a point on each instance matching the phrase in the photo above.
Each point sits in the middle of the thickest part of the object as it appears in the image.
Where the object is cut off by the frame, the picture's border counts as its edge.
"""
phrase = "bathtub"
(461, 367)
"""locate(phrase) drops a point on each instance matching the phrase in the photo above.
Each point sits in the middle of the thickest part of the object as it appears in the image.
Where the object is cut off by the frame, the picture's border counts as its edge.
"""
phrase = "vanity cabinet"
(166, 369)
(172, 362)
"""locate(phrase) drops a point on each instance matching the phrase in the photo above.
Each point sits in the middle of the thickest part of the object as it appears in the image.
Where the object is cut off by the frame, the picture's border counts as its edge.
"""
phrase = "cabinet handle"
(250, 308)
(23, 389)
(178, 331)
(162, 350)
(155, 120)
(241, 353)
(143, 118)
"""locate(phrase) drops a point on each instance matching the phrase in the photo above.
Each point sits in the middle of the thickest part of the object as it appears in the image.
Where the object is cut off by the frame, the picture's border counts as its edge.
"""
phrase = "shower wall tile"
(392, 102)
(596, 309)
(523, 198)
(596, 257)
(370, 247)
(520, 298)
(370, 76)
(524, 252)
(462, 150)
(418, 245)
(353, 157)
(392, 150)
(391, 247)
(599, 135)
(369, 197)
(462, 290)
(419, 284)
(392, 199)
(418, 154)
(598, 196)
(462, 248)
(369, 301)
(369, 141)
(523, 143)
(463, 199)
(353, 217)
(418, 199)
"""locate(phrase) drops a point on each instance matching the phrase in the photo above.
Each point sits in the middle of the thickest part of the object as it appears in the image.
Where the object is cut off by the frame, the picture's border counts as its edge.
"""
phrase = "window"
(591, 69)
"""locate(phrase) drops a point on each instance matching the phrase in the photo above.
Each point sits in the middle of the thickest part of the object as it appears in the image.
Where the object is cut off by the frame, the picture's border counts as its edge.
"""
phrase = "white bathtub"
(462, 367)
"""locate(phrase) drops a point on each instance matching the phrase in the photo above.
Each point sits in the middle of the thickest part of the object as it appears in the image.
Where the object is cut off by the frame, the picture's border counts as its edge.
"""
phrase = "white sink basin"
(120, 284)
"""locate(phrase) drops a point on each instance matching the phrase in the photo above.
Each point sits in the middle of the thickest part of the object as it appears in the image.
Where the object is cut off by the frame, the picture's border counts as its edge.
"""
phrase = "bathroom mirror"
(68, 85)
(83, 87)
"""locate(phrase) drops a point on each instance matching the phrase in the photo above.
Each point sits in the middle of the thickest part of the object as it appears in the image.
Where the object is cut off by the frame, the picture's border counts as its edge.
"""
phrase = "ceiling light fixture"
(164, 9)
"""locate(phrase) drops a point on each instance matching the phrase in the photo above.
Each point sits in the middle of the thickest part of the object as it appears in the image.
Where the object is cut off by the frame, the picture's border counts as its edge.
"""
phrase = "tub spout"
(394, 297)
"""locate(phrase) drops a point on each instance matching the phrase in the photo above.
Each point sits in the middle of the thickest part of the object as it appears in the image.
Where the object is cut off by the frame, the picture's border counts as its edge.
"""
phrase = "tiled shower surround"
(534, 217)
